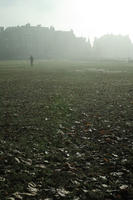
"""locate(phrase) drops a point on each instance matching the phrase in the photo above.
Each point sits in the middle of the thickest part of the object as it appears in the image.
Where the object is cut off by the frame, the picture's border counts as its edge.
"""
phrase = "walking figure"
(31, 60)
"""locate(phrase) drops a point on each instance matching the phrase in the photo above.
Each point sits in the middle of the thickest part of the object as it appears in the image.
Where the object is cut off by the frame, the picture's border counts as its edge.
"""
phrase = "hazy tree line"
(47, 43)
(113, 47)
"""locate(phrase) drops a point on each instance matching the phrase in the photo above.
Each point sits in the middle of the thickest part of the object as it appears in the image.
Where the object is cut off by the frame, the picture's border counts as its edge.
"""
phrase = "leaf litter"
(59, 147)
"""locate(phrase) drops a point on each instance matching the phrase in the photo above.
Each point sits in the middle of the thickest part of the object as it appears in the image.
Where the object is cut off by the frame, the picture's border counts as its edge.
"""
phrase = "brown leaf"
(106, 160)
(88, 124)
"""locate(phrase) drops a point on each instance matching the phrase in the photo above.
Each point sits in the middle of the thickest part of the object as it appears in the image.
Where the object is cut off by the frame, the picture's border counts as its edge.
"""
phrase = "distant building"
(17, 42)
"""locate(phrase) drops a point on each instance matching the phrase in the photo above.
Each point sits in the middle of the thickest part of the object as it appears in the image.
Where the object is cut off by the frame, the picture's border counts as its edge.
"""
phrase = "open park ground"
(66, 130)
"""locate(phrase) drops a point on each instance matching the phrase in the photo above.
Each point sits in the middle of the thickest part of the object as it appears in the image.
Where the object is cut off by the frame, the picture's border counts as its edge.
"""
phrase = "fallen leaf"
(124, 187)
(17, 195)
(88, 124)
(62, 192)
(40, 166)
(17, 160)
(106, 160)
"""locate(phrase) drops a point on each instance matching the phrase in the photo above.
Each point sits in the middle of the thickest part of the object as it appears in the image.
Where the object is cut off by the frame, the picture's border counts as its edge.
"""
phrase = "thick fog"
(88, 18)
(65, 28)
(47, 43)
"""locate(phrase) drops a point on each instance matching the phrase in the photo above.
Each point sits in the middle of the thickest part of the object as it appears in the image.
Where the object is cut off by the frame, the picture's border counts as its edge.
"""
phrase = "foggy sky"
(86, 17)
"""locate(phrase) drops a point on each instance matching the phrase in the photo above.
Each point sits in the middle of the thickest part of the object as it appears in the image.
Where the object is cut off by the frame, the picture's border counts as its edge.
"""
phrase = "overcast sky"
(88, 18)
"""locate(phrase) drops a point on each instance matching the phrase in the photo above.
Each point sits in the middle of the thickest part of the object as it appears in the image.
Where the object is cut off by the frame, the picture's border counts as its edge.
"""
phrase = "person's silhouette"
(31, 60)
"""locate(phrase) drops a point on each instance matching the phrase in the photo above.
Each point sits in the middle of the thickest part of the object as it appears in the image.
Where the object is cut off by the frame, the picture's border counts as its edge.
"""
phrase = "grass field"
(66, 130)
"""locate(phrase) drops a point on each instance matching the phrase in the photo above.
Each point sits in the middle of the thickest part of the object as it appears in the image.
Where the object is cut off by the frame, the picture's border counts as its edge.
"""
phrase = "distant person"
(31, 60)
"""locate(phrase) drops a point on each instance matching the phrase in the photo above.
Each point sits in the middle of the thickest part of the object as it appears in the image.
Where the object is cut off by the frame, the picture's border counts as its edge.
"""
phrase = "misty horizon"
(71, 29)
(48, 43)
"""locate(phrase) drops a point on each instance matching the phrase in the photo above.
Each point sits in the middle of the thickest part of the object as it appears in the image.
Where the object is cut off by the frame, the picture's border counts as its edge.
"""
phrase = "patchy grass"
(66, 130)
